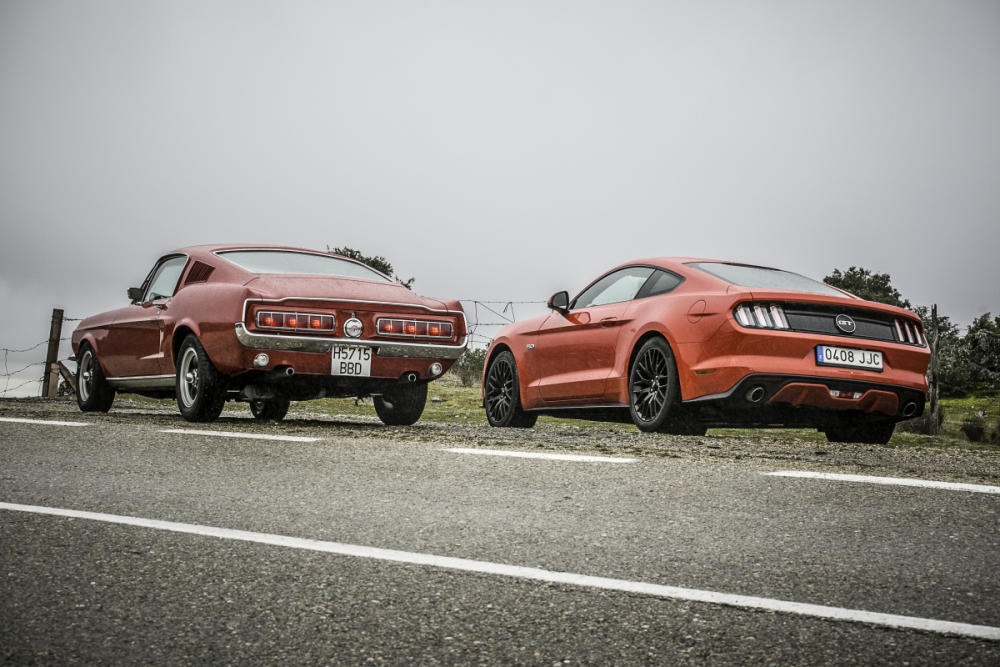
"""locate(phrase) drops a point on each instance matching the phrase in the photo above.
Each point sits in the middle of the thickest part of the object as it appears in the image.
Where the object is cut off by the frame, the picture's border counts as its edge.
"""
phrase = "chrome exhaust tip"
(411, 377)
(910, 409)
(755, 394)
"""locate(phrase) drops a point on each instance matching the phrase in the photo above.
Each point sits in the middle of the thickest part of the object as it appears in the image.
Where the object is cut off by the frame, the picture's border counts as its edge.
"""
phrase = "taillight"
(414, 328)
(761, 316)
(908, 332)
(267, 319)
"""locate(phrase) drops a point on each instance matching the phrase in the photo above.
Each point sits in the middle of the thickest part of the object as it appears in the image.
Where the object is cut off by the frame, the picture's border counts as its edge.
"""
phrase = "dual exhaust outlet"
(757, 393)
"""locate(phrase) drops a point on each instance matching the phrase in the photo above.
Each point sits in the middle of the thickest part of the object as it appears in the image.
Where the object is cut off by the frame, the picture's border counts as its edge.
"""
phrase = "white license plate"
(353, 360)
(830, 355)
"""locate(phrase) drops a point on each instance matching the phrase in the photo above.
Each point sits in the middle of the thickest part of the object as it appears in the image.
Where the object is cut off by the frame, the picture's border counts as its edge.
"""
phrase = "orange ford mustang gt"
(681, 344)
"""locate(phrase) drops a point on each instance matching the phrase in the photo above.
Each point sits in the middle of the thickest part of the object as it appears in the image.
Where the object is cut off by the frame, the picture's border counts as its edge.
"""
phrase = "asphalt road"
(75, 590)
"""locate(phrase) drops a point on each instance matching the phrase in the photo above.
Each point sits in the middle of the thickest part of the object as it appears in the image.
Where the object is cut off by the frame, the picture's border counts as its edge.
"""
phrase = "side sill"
(144, 382)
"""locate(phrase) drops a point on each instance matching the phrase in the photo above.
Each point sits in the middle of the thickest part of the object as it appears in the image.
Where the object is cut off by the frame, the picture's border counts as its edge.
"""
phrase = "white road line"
(535, 574)
(899, 481)
(536, 455)
(248, 436)
(47, 422)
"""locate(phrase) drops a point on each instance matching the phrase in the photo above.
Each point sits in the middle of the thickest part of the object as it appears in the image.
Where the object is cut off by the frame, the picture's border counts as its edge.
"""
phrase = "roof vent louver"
(199, 273)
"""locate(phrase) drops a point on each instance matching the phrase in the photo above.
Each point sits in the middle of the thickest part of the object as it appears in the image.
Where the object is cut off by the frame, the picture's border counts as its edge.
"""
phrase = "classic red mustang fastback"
(268, 325)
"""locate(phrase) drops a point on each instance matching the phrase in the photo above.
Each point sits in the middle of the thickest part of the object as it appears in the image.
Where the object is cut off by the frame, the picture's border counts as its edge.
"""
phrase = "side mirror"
(559, 301)
(134, 294)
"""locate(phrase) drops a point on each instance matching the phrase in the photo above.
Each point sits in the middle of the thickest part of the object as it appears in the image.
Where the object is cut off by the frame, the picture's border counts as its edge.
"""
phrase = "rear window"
(764, 278)
(284, 261)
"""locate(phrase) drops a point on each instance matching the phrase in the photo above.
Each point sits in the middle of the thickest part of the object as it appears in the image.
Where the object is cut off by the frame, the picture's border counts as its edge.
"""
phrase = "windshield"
(288, 261)
(764, 278)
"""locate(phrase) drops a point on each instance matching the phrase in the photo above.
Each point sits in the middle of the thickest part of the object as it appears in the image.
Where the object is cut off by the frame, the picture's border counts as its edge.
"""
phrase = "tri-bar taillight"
(761, 316)
(908, 332)
(413, 328)
(278, 319)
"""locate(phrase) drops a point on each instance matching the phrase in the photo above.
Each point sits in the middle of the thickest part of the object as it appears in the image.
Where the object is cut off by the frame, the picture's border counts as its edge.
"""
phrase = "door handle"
(161, 306)
(608, 321)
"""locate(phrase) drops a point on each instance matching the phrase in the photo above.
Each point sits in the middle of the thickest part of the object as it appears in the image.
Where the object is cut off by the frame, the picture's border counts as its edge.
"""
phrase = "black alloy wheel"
(501, 396)
(652, 386)
(93, 393)
(269, 409)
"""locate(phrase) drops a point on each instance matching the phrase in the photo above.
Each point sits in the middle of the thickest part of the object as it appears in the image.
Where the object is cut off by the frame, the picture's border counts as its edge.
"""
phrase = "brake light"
(268, 319)
(909, 332)
(761, 316)
(414, 328)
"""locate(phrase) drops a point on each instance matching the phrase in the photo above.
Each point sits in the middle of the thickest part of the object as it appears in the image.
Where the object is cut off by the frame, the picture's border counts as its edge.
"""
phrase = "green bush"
(974, 428)
(469, 366)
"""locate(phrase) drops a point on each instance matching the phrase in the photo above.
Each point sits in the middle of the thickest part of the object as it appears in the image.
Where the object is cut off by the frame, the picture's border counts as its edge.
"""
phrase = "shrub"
(469, 366)
(974, 427)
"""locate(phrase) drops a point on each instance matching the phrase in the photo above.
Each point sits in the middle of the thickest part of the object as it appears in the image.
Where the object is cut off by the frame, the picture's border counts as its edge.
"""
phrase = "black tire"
(272, 409)
(502, 394)
(869, 433)
(201, 390)
(402, 405)
(93, 393)
(653, 387)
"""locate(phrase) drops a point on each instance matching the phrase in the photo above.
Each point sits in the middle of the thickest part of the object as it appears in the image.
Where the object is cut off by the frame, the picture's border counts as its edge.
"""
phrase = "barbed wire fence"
(23, 375)
(486, 318)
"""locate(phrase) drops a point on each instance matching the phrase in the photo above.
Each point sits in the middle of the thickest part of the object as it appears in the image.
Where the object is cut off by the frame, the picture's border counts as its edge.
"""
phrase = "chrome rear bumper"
(382, 348)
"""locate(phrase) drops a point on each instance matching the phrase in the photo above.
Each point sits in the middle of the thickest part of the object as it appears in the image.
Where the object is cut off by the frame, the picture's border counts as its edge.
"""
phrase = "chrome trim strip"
(144, 382)
(461, 313)
(316, 344)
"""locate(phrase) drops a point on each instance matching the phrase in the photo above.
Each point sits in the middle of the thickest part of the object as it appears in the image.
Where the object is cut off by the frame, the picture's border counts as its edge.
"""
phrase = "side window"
(164, 280)
(615, 287)
(660, 283)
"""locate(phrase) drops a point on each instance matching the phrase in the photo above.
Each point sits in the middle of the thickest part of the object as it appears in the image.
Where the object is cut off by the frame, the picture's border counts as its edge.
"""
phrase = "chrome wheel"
(200, 389)
(93, 393)
(189, 385)
(85, 385)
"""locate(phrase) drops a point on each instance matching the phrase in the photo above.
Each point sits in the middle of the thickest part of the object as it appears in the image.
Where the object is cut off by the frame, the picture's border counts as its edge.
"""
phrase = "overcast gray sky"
(498, 150)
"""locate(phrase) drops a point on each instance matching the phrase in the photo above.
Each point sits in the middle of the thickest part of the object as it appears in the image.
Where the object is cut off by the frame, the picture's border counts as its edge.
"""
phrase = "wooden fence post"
(50, 381)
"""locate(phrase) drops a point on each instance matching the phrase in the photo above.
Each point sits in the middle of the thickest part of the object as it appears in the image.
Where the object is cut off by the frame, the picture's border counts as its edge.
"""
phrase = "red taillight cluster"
(909, 332)
(414, 328)
(271, 319)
